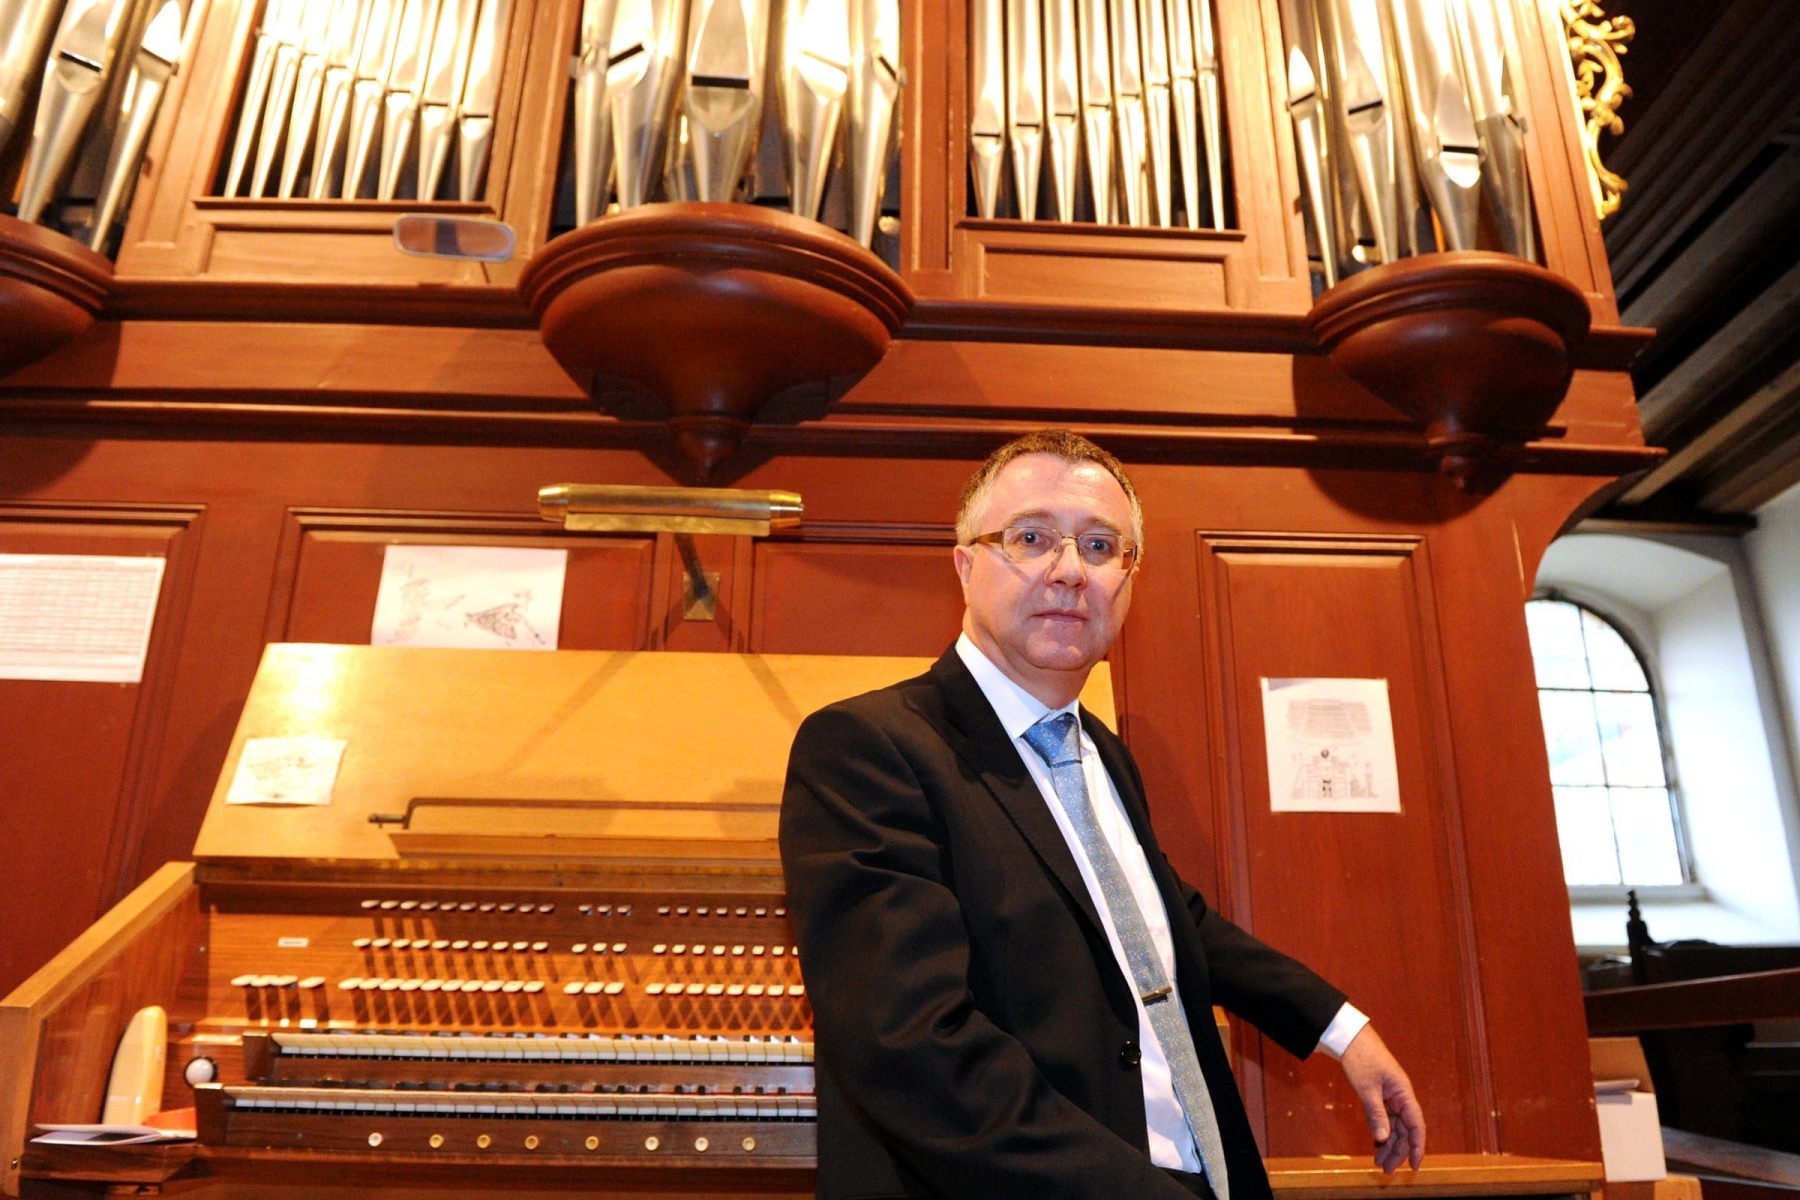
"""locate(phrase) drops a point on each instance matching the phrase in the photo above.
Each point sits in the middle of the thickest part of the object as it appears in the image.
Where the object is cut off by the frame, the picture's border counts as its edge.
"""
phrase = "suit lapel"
(980, 741)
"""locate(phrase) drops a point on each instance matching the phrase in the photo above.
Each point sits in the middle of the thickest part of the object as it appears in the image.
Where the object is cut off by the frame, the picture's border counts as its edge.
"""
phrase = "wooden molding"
(1474, 344)
(50, 289)
(715, 308)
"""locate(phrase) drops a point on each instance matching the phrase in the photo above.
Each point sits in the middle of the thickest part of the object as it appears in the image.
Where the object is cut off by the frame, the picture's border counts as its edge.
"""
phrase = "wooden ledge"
(50, 289)
(1348, 1178)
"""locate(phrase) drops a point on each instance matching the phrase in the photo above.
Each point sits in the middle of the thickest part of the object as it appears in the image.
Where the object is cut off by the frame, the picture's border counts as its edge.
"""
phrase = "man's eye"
(1030, 537)
(1099, 543)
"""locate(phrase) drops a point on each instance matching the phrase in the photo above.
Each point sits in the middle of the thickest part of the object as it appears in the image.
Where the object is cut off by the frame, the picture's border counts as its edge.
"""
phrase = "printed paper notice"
(470, 597)
(1331, 745)
(83, 617)
(286, 770)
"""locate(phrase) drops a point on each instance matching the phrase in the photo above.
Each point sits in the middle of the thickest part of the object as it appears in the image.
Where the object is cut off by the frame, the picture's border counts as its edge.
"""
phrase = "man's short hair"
(1059, 443)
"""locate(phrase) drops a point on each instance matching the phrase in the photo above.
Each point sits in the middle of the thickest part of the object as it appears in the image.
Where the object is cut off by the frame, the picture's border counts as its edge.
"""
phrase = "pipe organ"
(836, 247)
(529, 934)
(1131, 87)
(1408, 122)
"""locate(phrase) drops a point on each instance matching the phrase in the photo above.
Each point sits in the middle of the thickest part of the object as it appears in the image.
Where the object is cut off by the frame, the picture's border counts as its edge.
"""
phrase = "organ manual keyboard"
(536, 939)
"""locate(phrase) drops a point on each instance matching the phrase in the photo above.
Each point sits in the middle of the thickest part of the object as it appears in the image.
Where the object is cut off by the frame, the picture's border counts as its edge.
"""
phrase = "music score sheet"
(78, 617)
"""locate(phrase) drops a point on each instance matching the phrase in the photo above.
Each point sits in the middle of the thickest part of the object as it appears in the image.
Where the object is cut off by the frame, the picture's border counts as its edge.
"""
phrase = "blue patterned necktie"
(1058, 743)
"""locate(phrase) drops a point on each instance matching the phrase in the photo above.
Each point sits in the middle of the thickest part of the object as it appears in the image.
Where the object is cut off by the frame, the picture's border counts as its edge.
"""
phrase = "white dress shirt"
(1171, 1142)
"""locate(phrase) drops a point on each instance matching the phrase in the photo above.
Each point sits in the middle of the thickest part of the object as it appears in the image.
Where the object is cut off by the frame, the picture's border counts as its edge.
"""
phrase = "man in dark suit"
(1012, 990)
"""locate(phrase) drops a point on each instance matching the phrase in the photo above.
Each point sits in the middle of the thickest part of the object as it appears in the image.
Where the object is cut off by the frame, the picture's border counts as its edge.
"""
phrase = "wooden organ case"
(1354, 482)
(538, 927)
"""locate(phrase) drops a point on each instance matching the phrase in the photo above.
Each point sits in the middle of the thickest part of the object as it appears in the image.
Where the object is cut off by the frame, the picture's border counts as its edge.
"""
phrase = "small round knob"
(200, 1070)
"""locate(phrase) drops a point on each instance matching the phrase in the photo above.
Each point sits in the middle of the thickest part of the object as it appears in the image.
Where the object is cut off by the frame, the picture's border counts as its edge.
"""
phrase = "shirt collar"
(1017, 708)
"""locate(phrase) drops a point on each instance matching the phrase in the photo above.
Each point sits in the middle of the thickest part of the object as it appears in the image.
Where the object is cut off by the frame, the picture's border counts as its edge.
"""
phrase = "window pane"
(1628, 739)
(1584, 827)
(1572, 738)
(1556, 646)
(1645, 826)
(1610, 658)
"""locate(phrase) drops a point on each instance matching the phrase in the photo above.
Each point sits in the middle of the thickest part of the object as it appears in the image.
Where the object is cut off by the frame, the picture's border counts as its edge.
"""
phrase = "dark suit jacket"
(975, 1036)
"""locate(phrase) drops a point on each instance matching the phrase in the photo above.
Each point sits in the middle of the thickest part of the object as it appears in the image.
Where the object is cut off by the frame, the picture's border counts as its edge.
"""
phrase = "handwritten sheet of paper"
(286, 770)
(1330, 745)
(470, 597)
(81, 617)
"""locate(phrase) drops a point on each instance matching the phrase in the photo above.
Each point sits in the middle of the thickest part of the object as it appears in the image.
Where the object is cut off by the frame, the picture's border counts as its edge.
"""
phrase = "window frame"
(1690, 889)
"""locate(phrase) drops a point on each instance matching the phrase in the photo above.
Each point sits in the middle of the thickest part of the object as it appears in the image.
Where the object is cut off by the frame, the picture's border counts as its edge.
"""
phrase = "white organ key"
(755, 989)
(312, 982)
(350, 984)
(614, 988)
(540, 947)
(618, 947)
(511, 986)
(593, 988)
(736, 989)
(431, 985)
(533, 986)
(578, 948)
(492, 985)
(572, 988)
(653, 989)
(715, 989)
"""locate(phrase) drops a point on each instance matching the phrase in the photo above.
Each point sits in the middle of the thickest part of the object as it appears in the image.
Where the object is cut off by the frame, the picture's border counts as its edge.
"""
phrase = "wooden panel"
(1283, 607)
(855, 599)
(64, 1023)
(1014, 261)
(331, 571)
(179, 229)
(75, 757)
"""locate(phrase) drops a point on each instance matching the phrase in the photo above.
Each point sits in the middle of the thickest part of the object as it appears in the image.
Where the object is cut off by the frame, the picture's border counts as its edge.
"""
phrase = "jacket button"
(1129, 1055)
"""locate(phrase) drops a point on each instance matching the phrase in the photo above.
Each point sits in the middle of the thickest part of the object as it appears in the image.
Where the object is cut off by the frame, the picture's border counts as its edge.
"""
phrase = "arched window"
(1615, 800)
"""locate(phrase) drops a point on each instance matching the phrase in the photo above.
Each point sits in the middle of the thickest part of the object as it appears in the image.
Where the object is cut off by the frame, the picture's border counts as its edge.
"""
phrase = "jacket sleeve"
(1279, 995)
(886, 955)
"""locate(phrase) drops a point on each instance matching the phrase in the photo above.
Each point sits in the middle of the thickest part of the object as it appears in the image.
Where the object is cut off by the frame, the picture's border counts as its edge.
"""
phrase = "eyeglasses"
(1099, 549)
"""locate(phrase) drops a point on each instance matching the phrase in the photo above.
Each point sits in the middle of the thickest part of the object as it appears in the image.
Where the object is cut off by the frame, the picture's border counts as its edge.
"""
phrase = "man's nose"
(1066, 566)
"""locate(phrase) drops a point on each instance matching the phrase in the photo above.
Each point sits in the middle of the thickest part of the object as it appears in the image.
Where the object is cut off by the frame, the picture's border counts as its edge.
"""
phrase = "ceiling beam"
(1723, 359)
(1735, 427)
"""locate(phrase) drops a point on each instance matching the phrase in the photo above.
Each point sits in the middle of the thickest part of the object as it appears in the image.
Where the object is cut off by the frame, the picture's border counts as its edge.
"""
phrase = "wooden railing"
(1695, 1004)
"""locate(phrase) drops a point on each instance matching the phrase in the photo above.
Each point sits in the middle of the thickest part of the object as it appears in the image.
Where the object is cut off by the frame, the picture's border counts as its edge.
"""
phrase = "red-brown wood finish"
(1477, 345)
(50, 289)
(763, 300)
(270, 398)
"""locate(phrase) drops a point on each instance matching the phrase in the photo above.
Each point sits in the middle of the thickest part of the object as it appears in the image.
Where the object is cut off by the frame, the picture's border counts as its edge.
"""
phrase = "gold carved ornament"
(1598, 82)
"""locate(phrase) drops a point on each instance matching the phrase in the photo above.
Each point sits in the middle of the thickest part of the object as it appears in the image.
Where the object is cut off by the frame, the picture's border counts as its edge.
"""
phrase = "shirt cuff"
(1343, 1030)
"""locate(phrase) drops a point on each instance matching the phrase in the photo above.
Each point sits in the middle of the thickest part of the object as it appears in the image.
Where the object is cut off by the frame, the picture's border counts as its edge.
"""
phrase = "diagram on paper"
(470, 597)
(1330, 745)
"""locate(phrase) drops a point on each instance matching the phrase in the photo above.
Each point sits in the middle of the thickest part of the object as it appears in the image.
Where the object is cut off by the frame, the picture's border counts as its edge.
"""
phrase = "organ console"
(539, 922)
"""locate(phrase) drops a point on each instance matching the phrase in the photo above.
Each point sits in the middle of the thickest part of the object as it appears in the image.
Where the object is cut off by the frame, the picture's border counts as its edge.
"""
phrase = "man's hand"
(1395, 1119)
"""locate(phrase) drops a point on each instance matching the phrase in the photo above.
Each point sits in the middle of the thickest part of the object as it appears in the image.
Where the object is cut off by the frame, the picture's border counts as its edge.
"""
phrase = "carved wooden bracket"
(50, 290)
(1476, 345)
(715, 308)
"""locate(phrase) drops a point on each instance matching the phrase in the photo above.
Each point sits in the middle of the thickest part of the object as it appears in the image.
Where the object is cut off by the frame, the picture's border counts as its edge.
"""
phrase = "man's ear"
(964, 558)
